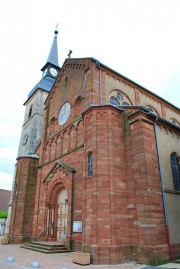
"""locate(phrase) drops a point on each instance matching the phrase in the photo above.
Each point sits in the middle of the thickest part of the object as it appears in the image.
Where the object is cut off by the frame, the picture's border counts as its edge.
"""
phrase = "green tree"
(3, 214)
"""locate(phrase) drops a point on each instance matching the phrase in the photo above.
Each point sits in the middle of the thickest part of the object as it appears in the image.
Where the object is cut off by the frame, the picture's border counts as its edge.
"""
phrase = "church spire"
(50, 69)
(53, 54)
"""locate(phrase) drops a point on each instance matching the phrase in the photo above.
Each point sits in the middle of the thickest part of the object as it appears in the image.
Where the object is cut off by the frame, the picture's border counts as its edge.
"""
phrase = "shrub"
(3, 214)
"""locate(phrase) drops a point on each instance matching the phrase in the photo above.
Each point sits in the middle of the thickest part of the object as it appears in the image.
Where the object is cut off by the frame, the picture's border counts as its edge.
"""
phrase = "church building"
(98, 166)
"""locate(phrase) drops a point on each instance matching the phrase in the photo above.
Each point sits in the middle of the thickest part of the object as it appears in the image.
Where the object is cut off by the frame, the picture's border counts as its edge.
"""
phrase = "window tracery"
(175, 171)
(118, 99)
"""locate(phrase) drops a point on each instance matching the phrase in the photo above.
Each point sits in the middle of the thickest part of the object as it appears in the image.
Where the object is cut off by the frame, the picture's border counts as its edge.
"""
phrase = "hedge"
(3, 214)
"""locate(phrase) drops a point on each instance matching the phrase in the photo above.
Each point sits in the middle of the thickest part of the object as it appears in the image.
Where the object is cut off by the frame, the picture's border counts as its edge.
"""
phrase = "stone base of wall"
(114, 254)
(16, 239)
(175, 248)
(77, 246)
(153, 255)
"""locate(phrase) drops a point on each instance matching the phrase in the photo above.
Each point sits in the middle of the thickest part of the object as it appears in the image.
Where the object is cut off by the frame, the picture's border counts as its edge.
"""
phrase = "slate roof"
(53, 54)
(4, 199)
(45, 84)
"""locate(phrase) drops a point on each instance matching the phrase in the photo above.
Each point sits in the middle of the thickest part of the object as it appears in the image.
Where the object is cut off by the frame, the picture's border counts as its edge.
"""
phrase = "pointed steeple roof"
(53, 54)
(46, 83)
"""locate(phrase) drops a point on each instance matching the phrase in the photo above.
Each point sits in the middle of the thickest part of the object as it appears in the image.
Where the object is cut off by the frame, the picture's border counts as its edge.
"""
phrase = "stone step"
(46, 247)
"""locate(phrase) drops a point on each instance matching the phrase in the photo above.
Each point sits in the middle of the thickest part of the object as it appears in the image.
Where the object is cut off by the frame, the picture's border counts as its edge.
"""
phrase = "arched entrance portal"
(62, 216)
(57, 220)
(56, 214)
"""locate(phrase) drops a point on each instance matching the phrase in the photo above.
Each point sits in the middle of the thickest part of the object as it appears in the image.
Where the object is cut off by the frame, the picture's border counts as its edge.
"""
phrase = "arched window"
(175, 171)
(117, 98)
(174, 121)
(120, 96)
(30, 112)
(152, 110)
(90, 164)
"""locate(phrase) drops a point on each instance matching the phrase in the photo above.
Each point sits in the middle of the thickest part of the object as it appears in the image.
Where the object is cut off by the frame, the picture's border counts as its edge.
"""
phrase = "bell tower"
(31, 129)
(21, 206)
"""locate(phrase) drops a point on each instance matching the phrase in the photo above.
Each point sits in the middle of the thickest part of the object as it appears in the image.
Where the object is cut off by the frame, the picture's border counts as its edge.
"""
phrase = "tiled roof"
(4, 199)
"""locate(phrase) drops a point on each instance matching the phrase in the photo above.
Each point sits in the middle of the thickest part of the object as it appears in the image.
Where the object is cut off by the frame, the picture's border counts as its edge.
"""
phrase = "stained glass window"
(175, 171)
(90, 164)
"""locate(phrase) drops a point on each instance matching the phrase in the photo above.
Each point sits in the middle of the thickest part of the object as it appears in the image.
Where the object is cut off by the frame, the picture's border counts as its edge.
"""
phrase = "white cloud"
(6, 181)
(139, 39)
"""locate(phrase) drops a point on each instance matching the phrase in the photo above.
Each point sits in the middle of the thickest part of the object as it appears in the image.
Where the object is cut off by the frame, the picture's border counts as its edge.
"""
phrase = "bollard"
(35, 264)
(10, 259)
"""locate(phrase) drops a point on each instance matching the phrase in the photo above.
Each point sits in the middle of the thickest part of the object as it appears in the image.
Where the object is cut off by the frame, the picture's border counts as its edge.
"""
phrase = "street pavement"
(24, 259)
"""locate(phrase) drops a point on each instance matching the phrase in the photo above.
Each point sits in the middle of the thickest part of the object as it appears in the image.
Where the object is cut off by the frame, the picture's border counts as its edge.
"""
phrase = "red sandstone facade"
(120, 206)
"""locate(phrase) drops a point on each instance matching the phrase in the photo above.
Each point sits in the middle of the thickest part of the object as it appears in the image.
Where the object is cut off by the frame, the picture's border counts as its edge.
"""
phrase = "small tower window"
(175, 171)
(90, 164)
(30, 112)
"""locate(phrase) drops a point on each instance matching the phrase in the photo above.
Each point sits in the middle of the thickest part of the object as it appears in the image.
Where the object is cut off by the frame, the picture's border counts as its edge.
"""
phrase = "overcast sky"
(138, 38)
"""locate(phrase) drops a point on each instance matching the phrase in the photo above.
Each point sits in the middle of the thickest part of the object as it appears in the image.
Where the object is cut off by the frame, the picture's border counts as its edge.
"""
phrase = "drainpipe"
(72, 210)
(100, 81)
(162, 187)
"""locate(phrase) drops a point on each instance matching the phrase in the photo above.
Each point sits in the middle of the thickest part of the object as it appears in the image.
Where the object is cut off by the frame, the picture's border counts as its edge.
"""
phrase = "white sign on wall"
(77, 226)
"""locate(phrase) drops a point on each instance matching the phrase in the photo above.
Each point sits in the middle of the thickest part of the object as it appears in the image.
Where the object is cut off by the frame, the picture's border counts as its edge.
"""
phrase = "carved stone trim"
(59, 164)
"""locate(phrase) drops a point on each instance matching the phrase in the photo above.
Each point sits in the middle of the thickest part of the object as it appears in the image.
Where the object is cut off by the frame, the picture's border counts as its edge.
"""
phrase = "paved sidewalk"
(24, 258)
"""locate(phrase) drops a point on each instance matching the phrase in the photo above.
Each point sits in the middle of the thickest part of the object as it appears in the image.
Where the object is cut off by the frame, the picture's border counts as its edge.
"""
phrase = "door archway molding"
(64, 167)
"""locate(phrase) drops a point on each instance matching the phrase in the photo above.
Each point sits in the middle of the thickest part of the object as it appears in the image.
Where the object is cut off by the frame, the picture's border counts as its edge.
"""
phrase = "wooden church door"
(62, 216)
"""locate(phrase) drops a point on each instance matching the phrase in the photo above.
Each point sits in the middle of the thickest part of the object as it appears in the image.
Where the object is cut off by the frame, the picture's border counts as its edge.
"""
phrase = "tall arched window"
(175, 171)
(90, 164)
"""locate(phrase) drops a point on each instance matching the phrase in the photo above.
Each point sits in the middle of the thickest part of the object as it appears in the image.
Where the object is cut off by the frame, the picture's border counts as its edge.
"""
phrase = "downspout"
(162, 188)
(100, 81)
(72, 210)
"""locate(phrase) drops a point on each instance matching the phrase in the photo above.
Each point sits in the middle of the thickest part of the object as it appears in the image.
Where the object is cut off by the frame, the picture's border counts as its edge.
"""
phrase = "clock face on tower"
(64, 113)
(53, 71)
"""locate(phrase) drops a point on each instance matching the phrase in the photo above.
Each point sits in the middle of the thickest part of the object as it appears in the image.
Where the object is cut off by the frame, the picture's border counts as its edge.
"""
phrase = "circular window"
(114, 101)
(64, 113)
